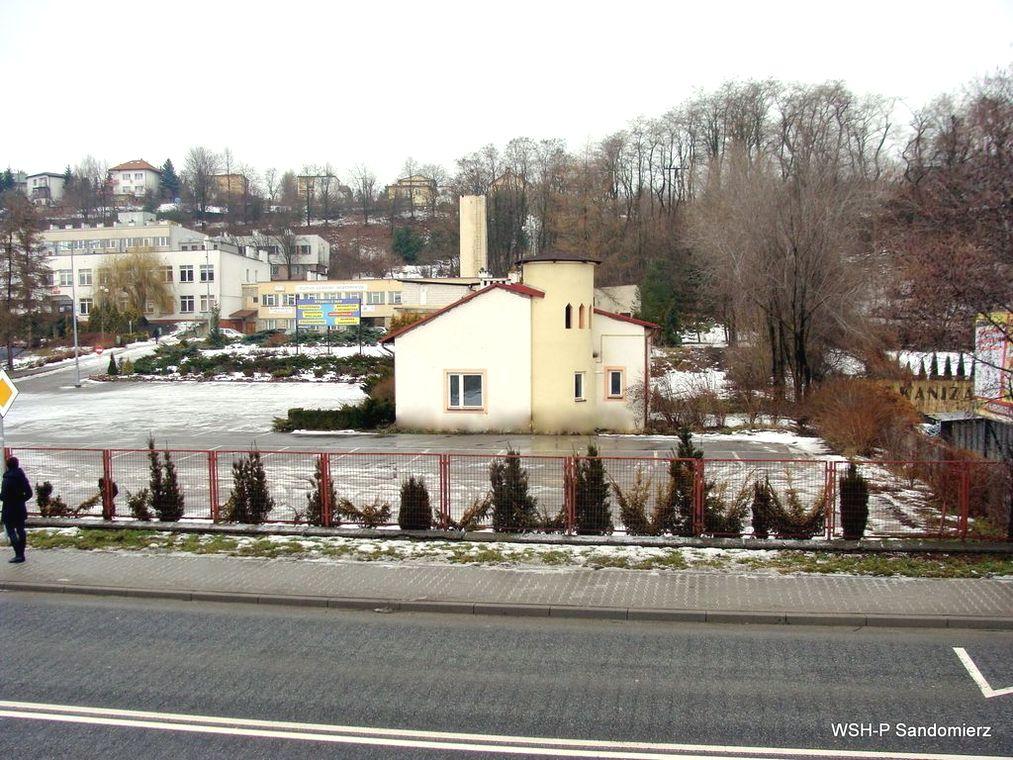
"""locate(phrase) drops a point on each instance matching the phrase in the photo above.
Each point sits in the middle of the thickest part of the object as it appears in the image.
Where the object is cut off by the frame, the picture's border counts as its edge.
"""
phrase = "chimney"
(474, 236)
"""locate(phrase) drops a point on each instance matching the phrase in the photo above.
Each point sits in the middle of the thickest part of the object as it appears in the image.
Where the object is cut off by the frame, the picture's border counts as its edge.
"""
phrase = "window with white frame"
(270, 299)
(66, 278)
(207, 272)
(166, 273)
(288, 299)
(186, 273)
(103, 277)
(616, 383)
(578, 387)
(395, 296)
(186, 304)
(303, 250)
(374, 298)
(149, 307)
(138, 175)
(163, 240)
(207, 303)
(465, 390)
(84, 307)
(84, 277)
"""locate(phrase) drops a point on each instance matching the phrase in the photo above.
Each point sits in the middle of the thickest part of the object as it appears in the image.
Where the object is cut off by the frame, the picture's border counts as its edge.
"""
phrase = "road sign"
(327, 313)
(8, 392)
(98, 350)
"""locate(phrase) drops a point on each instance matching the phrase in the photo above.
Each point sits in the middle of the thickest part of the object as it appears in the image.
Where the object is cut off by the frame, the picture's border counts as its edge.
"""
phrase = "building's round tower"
(563, 399)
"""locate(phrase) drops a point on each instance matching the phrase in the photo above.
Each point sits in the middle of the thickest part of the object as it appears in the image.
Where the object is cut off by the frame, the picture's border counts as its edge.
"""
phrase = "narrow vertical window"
(568, 317)
(578, 386)
(582, 323)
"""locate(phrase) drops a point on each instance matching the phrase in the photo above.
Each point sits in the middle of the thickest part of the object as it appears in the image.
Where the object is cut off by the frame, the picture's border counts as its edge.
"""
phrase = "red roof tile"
(621, 318)
(515, 288)
(136, 165)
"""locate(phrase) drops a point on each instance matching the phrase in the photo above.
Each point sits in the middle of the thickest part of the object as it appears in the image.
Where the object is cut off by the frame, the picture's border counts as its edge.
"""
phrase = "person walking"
(15, 492)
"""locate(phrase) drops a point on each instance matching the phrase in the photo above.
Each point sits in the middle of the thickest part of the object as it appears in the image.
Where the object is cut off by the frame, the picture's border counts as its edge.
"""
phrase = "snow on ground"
(685, 384)
(713, 336)
(89, 413)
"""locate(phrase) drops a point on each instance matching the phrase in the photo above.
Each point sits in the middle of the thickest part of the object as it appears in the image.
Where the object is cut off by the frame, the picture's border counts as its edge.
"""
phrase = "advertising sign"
(327, 313)
(993, 366)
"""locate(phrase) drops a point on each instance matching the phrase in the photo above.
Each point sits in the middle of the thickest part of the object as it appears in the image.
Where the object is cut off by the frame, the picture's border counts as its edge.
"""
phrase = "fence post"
(570, 493)
(698, 489)
(108, 498)
(213, 485)
(964, 498)
(830, 494)
(325, 490)
(444, 469)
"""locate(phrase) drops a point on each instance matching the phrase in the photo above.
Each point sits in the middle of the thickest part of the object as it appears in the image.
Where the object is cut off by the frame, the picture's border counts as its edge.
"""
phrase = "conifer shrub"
(113, 369)
(673, 511)
(166, 496)
(761, 508)
(514, 509)
(791, 519)
(854, 490)
(314, 499)
(371, 515)
(592, 507)
(250, 501)
(415, 511)
(633, 505)
(474, 515)
(49, 505)
(139, 505)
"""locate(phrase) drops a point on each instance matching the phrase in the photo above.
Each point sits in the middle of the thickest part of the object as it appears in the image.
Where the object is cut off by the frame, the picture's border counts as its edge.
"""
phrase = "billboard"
(993, 365)
(340, 313)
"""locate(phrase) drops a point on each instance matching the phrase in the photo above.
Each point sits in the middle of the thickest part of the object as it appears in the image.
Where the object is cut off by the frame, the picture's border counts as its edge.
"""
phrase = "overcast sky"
(288, 83)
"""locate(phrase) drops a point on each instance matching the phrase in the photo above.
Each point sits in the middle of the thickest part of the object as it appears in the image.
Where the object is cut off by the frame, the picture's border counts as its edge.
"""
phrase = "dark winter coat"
(15, 493)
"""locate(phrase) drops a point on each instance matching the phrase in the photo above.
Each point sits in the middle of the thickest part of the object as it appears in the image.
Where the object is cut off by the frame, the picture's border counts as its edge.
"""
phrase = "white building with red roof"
(135, 178)
(533, 356)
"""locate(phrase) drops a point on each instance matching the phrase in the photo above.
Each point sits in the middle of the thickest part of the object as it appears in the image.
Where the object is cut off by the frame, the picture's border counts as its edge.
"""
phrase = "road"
(487, 678)
(196, 415)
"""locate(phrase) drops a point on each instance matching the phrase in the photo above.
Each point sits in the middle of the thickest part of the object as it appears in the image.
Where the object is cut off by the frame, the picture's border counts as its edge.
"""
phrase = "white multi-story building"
(135, 178)
(311, 254)
(46, 187)
(202, 273)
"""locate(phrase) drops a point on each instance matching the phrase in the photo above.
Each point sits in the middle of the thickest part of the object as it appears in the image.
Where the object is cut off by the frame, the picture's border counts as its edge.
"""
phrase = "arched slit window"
(582, 321)
(568, 317)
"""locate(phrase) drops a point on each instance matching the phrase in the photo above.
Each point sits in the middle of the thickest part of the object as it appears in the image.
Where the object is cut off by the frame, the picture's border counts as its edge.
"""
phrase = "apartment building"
(292, 256)
(45, 188)
(202, 273)
(135, 178)
(276, 300)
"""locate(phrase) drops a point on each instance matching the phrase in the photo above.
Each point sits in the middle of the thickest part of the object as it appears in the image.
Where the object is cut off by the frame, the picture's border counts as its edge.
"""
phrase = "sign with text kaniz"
(993, 366)
(340, 313)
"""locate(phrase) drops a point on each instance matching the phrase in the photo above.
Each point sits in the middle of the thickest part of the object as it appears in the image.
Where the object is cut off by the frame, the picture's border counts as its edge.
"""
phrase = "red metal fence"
(716, 497)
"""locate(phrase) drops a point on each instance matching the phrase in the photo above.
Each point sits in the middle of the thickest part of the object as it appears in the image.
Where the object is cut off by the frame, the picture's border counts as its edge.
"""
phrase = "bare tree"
(23, 270)
(199, 170)
(364, 189)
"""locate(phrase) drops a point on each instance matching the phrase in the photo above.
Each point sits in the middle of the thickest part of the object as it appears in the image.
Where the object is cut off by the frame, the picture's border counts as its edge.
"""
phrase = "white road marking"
(456, 741)
(977, 677)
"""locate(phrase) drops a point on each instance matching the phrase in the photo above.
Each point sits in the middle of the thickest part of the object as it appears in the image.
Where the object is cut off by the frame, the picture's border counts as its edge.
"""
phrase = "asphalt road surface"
(203, 674)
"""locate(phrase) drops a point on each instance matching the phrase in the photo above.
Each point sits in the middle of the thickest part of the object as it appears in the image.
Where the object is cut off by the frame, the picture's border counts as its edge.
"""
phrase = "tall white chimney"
(474, 236)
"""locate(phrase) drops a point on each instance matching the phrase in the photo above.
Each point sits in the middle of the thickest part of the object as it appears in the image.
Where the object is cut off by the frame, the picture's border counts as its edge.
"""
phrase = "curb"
(739, 617)
(871, 545)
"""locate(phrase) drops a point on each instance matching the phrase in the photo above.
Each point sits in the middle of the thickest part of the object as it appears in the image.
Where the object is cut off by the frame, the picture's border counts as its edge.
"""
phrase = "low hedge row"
(189, 360)
(369, 414)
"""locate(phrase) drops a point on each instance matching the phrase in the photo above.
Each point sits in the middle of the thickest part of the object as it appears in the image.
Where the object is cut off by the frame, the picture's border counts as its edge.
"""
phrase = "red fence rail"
(716, 497)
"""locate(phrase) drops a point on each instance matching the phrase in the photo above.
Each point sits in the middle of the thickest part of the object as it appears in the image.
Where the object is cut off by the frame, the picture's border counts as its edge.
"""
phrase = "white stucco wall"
(619, 345)
(490, 333)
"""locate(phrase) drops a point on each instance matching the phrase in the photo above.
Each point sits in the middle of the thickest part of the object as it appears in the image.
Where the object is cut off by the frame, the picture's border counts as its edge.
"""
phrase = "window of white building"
(288, 299)
(270, 299)
(616, 383)
(578, 387)
(84, 277)
(465, 390)
(207, 272)
(186, 273)
(84, 307)
(374, 297)
(186, 304)
(166, 272)
(395, 296)
(66, 278)
(207, 303)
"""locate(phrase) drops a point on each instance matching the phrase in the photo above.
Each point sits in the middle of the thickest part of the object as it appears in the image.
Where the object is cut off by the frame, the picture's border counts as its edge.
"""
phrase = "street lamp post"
(207, 281)
(73, 318)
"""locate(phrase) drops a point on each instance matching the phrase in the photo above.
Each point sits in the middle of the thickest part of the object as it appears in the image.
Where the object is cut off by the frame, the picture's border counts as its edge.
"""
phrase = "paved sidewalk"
(606, 593)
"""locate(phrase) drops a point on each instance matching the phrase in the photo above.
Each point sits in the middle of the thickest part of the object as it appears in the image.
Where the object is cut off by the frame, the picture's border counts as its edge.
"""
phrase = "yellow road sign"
(8, 392)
